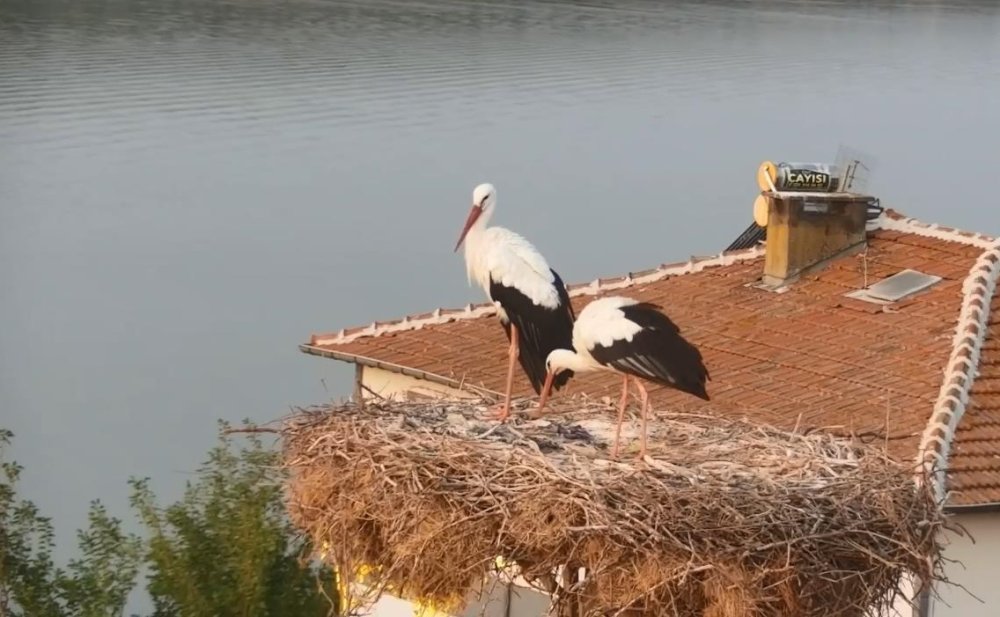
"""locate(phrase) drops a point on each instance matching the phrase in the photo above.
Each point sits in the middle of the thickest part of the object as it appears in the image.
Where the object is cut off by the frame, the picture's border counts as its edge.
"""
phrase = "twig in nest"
(252, 429)
(372, 392)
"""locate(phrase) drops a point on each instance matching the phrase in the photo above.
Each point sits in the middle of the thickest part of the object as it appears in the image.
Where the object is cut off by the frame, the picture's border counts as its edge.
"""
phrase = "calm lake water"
(189, 188)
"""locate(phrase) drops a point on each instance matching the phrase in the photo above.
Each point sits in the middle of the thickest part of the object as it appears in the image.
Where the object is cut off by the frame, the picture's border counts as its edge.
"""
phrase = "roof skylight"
(896, 287)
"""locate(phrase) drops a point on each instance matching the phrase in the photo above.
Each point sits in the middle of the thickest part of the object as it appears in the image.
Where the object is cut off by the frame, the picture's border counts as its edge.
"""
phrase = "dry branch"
(723, 519)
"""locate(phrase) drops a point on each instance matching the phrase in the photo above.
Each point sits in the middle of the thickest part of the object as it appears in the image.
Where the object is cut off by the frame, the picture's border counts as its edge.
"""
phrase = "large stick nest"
(722, 519)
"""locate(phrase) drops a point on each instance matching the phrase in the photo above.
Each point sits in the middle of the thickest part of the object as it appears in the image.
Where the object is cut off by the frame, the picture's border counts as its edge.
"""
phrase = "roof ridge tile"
(892, 220)
(597, 286)
(963, 363)
(888, 220)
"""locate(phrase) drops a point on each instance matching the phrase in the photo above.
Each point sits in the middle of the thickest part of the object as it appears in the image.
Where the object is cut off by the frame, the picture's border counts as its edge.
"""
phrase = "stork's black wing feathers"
(651, 316)
(540, 329)
(658, 352)
(564, 301)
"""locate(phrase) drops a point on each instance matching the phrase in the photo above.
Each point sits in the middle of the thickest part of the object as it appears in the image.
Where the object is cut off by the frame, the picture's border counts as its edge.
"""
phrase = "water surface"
(188, 188)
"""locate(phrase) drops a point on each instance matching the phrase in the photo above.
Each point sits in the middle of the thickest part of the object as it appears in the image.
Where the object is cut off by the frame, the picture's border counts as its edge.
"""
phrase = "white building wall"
(978, 570)
(389, 606)
(395, 385)
(903, 606)
(524, 602)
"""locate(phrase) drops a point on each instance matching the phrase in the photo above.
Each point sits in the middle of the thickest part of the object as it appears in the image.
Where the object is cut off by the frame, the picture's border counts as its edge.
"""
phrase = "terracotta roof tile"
(974, 464)
(808, 357)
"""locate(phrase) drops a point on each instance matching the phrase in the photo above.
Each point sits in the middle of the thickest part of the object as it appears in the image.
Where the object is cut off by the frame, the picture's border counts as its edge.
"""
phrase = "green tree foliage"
(26, 569)
(227, 549)
(94, 585)
(98, 583)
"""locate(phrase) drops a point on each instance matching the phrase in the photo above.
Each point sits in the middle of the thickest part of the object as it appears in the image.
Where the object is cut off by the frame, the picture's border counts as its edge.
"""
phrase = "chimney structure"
(804, 230)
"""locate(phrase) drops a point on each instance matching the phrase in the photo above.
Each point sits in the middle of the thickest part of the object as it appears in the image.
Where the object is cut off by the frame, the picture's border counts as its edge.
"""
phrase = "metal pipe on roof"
(359, 376)
(993, 506)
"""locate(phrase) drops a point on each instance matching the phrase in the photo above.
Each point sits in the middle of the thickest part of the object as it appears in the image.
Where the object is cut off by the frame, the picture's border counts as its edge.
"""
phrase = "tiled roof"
(974, 476)
(805, 357)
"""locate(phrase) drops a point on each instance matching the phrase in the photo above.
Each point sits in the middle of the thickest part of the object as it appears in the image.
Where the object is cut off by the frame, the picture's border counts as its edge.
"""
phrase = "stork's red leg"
(645, 412)
(621, 416)
(546, 391)
(504, 410)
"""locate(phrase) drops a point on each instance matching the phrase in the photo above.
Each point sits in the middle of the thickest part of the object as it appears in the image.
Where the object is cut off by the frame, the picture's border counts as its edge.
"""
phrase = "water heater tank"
(805, 177)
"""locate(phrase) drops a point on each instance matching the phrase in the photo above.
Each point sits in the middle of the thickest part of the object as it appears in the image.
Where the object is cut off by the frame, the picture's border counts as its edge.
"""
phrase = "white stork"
(636, 340)
(531, 299)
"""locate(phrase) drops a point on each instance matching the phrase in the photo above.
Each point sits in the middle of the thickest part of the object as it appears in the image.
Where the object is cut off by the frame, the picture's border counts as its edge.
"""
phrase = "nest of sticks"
(721, 519)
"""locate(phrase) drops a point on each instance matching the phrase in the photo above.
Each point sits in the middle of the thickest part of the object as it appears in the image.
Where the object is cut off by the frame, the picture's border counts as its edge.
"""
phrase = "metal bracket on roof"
(760, 284)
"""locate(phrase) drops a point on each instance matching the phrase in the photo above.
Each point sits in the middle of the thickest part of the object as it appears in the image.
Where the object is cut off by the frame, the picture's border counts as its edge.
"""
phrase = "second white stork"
(531, 299)
(636, 340)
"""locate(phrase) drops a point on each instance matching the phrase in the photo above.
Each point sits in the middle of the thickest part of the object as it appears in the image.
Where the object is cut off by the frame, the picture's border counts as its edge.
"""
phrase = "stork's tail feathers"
(697, 389)
(694, 380)
(532, 355)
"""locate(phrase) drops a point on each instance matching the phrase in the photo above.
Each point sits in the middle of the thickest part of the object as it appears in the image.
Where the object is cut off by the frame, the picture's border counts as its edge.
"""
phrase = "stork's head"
(484, 197)
(560, 360)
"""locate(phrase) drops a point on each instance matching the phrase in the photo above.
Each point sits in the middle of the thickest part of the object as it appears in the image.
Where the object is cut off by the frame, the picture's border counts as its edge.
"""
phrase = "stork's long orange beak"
(469, 222)
(546, 390)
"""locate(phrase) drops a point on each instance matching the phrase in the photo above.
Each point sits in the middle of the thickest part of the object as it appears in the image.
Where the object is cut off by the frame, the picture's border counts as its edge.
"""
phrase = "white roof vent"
(896, 287)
